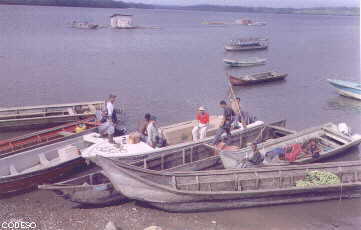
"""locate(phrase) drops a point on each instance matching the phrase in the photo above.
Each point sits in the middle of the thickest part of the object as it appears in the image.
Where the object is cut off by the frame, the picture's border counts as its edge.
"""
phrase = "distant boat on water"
(247, 44)
(245, 62)
(347, 88)
(256, 78)
(84, 25)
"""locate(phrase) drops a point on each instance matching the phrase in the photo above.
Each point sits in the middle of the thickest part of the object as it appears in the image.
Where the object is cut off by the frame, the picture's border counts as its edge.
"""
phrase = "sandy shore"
(52, 212)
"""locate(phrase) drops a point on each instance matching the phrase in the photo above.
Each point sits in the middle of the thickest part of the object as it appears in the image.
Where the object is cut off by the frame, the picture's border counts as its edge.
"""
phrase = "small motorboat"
(347, 88)
(245, 62)
(256, 78)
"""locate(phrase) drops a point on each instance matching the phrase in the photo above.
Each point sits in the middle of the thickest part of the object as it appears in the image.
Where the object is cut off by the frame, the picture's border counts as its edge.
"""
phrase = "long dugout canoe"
(31, 117)
(226, 189)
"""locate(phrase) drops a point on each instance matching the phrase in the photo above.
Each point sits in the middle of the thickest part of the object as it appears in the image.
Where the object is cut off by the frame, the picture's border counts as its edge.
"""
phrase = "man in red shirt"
(199, 131)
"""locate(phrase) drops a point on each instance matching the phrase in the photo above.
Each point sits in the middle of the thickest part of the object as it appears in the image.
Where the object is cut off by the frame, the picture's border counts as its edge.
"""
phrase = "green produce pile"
(314, 178)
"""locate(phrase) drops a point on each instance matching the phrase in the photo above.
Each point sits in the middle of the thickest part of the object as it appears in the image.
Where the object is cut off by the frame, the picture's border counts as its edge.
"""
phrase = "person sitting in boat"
(154, 138)
(143, 127)
(107, 127)
(226, 124)
(255, 160)
(311, 148)
(199, 131)
(236, 106)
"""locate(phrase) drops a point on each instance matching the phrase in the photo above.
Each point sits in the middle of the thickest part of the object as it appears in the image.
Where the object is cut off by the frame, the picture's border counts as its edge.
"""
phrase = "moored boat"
(94, 188)
(330, 142)
(45, 137)
(347, 88)
(127, 152)
(26, 170)
(256, 78)
(245, 62)
(84, 25)
(226, 189)
(28, 117)
(247, 44)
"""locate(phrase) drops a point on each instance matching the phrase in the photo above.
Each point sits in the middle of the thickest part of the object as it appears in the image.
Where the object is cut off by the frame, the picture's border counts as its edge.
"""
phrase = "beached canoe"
(46, 137)
(247, 44)
(95, 189)
(26, 170)
(28, 117)
(190, 156)
(226, 189)
(330, 141)
(245, 62)
(256, 78)
(347, 88)
(124, 151)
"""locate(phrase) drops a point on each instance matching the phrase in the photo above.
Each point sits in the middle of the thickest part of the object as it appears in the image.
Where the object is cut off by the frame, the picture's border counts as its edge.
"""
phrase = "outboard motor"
(344, 129)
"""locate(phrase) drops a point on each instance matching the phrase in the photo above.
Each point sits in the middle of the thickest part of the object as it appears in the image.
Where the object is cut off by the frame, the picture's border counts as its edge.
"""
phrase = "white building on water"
(121, 21)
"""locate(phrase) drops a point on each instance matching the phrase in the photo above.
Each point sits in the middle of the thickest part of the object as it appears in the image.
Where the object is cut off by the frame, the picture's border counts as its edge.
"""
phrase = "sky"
(253, 3)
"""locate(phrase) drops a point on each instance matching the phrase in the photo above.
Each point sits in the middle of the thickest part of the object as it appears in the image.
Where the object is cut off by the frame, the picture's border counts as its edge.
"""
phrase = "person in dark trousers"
(226, 124)
(143, 127)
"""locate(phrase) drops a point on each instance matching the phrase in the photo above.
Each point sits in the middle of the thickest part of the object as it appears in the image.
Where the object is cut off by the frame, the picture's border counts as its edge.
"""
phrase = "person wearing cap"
(199, 131)
(152, 131)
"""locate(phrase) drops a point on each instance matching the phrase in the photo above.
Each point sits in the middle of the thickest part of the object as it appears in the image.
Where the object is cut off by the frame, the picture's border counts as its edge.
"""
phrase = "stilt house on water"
(121, 21)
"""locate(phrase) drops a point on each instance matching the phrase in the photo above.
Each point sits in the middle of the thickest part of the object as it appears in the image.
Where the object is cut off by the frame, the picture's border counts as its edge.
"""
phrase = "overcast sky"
(268, 3)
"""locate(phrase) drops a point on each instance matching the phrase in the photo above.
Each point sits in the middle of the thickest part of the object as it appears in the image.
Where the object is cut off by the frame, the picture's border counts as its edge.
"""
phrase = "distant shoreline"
(336, 11)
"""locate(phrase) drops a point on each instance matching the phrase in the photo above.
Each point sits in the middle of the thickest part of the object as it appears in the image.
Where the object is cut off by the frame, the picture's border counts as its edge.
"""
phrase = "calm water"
(172, 70)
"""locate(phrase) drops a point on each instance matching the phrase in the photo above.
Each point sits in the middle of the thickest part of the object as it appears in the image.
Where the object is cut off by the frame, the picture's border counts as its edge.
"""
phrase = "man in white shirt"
(152, 131)
(110, 107)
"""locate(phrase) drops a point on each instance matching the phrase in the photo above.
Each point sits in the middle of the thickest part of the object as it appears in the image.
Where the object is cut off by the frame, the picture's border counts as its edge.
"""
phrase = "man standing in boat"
(110, 108)
(226, 124)
(199, 131)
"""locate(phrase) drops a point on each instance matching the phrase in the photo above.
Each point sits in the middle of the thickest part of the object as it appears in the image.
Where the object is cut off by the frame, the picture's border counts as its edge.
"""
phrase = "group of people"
(149, 133)
(233, 117)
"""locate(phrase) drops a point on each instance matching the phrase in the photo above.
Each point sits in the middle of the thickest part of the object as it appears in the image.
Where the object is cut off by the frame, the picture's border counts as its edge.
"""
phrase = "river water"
(172, 70)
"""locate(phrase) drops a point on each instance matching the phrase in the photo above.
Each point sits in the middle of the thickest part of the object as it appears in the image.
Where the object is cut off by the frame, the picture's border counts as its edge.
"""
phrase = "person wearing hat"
(199, 131)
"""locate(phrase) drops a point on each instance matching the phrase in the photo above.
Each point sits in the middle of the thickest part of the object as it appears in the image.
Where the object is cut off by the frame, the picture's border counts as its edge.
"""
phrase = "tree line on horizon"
(204, 7)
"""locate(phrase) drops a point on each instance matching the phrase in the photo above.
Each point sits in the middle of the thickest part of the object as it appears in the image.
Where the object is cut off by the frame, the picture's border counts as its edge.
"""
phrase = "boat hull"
(239, 81)
(238, 48)
(347, 89)
(30, 181)
(177, 194)
(38, 139)
(44, 116)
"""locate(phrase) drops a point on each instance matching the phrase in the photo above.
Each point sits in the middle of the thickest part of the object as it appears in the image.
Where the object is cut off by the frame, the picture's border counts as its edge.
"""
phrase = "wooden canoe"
(245, 62)
(45, 137)
(331, 143)
(247, 44)
(25, 170)
(131, 152)
(256, 78)
(195, 156)
(94, 188)
(225, 189)
(29, 117)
